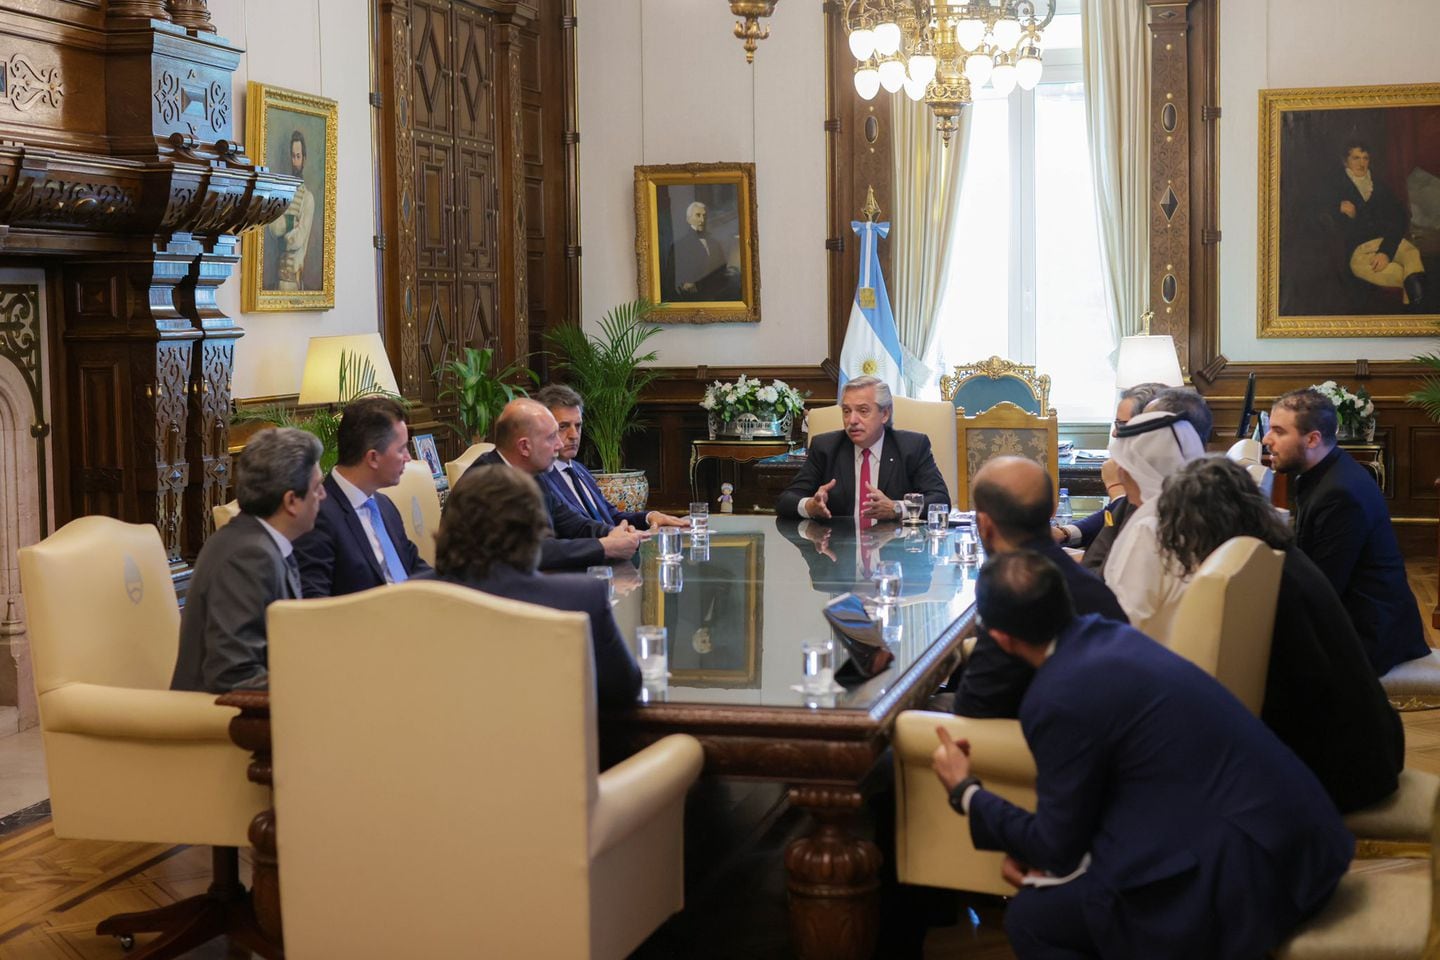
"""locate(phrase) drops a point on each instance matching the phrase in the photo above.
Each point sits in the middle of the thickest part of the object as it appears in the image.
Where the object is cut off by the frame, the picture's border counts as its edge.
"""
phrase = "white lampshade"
(1006, 33)
(1027, 71)
(862, 43)
(320, 382)
(887, 38)
(915, 90)
(1147, 360)
(969, 32)
(978, 67)
(922, 68)
(1003, 78)
(867, 82)
(892, 74)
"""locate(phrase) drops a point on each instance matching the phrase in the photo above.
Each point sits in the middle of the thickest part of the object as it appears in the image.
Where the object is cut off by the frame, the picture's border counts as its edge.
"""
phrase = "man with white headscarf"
(1146, 581)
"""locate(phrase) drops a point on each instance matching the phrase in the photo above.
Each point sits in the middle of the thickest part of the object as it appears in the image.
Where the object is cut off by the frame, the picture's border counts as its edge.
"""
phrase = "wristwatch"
(957, 795)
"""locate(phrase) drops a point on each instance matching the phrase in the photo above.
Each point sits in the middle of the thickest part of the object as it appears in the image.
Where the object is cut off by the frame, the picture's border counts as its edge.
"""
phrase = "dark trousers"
(1048, 923)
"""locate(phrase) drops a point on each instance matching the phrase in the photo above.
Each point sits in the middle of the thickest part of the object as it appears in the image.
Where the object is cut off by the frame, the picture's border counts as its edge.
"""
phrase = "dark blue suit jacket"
(576, 540)
(617, 678)
(1208, 837)
(907, 466)
(335, 557)
(561, 490)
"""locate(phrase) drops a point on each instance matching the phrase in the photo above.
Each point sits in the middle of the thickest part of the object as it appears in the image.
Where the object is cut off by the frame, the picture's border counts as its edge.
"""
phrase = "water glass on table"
(651, 653)
(699, 519)
(914, 503)
(888, 580)
(667, 540)
(608, 575)
(937, 520)
(817, 664)
(672, 577)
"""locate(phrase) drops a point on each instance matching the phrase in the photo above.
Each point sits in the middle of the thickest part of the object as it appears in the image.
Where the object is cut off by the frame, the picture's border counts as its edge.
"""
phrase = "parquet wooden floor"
(53, 892)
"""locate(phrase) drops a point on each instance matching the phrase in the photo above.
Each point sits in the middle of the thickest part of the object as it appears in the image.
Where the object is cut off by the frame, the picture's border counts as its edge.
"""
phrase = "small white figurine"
(727, 502)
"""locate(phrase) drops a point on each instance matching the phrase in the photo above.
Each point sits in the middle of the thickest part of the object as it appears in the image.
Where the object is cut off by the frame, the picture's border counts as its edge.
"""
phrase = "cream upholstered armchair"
(224, 513)
(128, 758)
(419, 505)
(454, 468)
(935, 420)
(476, 824)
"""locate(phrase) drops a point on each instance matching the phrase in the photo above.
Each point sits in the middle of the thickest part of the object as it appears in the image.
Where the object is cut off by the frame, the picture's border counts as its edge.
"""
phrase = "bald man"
(1013, 497)
(527, 438)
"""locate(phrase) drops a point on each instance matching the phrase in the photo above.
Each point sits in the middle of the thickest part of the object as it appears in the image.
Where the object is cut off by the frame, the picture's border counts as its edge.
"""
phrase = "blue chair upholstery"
(977, 387)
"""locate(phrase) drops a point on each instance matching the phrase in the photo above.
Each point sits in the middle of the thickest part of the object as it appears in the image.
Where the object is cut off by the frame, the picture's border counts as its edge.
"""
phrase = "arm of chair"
(632, 792)
(124, 713)
(997, 747)
(1406, 816)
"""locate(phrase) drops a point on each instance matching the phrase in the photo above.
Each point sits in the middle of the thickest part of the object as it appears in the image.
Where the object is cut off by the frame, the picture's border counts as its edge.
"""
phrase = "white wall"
(665, 81)
(320, 47)
(1268, 44)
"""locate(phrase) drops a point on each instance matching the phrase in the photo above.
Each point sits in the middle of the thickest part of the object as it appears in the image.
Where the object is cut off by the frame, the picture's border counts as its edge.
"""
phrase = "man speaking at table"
(866, 469)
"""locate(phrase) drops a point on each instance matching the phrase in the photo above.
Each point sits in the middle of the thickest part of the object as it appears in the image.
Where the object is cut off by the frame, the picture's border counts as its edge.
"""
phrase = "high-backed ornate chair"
(453, 468)
(976, 387)
(478, 826)
(419, 506)
(934, 419)
(224, 513)
(1227, 615)
(1003, 430)
(128, 758)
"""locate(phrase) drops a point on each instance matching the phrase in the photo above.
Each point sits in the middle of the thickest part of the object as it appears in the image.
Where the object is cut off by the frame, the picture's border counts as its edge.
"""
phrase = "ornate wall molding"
(519, 295)
(20, 343)
(23, 85)
(1170, 172)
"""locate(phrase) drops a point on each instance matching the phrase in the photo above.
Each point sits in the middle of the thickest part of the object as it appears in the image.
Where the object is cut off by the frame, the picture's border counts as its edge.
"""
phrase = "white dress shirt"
(357, 498)
(281, 541)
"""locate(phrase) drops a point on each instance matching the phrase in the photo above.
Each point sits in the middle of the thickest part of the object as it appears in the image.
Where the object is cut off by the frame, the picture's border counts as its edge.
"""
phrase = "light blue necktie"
(392, 559)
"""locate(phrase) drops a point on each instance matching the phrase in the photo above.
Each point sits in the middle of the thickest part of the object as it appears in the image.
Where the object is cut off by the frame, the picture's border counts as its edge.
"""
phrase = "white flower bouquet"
(776, 401)
(1355, 411)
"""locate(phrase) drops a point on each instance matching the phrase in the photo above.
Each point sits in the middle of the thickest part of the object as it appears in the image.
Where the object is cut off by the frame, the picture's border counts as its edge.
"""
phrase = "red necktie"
(865, 522)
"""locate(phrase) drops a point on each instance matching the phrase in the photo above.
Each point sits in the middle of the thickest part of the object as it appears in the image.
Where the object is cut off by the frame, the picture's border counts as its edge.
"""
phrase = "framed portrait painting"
(426, 450)
(1349, 208)
(714, 623)
(696, 242)
(289, 263)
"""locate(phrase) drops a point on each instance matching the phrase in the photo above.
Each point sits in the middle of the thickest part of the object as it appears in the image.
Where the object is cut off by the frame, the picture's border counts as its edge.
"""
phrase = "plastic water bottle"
(1063, 513)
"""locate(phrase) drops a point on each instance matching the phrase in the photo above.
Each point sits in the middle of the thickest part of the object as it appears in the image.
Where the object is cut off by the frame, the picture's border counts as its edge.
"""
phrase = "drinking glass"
(672, 577)
(914, 505)
(699, 518)
(968, 547)
(817, 664)
(888, 580)
(938, 518)
(668, 540)
(699, 549)
(651, 654)
(608, 575)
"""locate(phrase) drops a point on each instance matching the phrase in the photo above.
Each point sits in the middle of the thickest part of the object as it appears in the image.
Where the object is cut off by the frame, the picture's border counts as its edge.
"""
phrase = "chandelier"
(941, 52)
(748, 28)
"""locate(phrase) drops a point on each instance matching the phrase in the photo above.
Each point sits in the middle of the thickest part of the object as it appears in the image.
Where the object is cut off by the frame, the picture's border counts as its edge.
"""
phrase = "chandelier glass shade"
(941, 52)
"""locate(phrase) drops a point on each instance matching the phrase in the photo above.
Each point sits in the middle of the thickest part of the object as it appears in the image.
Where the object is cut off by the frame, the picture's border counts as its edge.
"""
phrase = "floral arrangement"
(727, 401)
(1355, 410)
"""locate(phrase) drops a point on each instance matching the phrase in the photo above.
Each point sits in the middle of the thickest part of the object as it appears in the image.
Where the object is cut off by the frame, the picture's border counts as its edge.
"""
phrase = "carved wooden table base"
(833, 879)
(251, 731)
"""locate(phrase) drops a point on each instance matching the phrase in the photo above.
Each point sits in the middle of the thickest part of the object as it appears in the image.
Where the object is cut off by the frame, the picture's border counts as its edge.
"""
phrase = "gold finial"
(871, 210)
(1146, 319)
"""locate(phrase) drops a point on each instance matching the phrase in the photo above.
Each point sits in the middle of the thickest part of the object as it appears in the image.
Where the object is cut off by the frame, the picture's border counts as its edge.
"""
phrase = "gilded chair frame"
(1004, 415)
(997, 368)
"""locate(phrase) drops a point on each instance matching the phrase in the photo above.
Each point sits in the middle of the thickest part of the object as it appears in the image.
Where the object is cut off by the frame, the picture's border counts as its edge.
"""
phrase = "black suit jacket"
(336, 558)
(617, 678)
(1343, 525)
(907, 466)
(1382, 216)
(223, 644)
(576, 540)
(995, 682)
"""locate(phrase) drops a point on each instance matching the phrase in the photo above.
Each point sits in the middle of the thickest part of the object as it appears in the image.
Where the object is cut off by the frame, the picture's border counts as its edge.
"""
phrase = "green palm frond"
(480, 394)
(1427, 398)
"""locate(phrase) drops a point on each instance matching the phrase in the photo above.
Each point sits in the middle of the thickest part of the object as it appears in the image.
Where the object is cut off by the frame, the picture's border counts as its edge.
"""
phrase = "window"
(1025, 279)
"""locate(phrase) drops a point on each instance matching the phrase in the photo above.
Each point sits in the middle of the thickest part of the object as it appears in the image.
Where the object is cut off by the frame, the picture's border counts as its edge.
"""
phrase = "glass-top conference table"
(743, 607)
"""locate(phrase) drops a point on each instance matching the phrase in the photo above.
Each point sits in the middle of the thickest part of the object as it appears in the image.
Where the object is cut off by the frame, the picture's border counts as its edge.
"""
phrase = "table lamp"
(1147, 359)
(320, 383)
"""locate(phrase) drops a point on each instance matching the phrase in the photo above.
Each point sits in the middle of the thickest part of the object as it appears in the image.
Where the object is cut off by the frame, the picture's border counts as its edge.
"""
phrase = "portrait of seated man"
(697, 265)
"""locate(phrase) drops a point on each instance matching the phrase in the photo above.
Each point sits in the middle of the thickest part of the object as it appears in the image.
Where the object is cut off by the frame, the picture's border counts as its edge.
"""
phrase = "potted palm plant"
(1427, 397)
(478, 393)
(605, 368)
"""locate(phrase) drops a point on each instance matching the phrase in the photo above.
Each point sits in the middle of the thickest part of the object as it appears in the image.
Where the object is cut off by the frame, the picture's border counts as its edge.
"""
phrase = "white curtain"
(1117, 108)
(922, 229)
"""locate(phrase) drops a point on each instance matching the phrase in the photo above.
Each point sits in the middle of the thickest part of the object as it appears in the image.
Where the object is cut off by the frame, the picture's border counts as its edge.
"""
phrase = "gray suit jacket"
(222, 630)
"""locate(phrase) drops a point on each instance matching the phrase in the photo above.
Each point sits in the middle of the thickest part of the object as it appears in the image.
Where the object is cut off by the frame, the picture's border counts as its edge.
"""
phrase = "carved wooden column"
(1170, 173)
(397, 179)
(833, 879)
(192, 15)
(514, 296)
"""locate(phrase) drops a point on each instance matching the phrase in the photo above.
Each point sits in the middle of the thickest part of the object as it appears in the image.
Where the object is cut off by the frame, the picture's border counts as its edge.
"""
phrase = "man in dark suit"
(1012, 498)
(248, 563)
(359, 540)
(696, 262)
(495, 521)
(1374, 222)
(567, 477)
(1343, 525)
(1179, 825)
(866, 469)
(527, 437)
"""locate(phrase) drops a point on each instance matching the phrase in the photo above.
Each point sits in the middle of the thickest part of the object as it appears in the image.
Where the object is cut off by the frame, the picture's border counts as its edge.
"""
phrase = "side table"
(736, 451)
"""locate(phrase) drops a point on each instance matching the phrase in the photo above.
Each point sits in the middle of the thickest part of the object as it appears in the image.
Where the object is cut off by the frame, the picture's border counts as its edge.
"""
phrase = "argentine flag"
(872, 345)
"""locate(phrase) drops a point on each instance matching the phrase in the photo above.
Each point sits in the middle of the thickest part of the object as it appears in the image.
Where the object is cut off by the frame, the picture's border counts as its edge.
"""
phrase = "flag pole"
(871, 210)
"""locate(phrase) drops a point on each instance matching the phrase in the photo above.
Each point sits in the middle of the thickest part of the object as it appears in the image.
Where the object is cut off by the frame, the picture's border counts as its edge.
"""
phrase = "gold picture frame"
(705, 273)
(726, 605)
(1317, 275)
(289, 263)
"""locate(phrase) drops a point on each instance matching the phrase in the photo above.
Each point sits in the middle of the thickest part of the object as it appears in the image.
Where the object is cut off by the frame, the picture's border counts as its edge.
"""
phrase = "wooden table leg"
(833, 879)
(251, 730)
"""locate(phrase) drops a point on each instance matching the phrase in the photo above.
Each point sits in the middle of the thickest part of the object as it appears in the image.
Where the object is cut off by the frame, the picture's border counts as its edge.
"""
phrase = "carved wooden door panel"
(476, 215)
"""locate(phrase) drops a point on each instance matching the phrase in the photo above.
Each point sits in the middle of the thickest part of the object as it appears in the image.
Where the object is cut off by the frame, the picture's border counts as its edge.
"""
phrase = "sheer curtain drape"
(1117, 105)
(922, 229)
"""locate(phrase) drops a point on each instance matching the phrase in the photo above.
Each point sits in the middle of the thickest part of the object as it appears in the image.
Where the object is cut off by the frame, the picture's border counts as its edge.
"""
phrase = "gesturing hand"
(820, 502)
(877, 505)
(951, 760)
